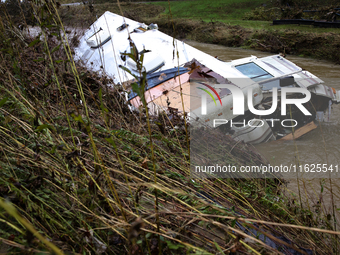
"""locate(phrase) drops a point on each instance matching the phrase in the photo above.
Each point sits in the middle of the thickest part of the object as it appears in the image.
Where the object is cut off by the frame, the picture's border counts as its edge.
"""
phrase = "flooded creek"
(320, 146)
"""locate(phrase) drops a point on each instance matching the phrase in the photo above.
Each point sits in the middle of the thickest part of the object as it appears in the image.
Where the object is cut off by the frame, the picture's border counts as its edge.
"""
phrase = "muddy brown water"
(321, 146)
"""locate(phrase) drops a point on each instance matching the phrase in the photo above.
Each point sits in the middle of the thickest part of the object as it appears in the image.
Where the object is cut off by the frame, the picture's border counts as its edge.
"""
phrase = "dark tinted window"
(254, 72)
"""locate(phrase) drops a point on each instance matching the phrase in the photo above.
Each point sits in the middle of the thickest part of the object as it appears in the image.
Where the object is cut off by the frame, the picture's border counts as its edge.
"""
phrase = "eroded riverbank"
(315, 44)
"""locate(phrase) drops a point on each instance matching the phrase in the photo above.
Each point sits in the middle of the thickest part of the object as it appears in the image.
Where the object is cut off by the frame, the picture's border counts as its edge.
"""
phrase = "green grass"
(231, 12)
(219, 9)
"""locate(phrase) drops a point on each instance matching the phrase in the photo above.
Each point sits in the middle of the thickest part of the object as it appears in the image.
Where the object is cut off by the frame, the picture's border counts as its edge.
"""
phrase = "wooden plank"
(300, 131)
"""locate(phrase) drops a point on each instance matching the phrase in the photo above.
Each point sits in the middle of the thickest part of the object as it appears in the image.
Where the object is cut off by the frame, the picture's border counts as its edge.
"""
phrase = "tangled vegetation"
(315, 10)
(82, 173)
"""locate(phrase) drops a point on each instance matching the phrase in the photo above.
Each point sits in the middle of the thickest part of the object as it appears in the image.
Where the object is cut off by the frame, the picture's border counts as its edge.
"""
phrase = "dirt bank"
(321, 46)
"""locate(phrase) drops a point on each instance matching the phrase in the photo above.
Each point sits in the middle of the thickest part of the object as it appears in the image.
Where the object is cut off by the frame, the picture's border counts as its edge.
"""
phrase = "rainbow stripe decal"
(213, 90)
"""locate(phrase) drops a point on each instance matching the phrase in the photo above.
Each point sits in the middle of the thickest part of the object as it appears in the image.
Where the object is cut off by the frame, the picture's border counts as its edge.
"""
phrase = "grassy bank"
(315, 45)
(213, 10)
(79, 174)
(221, 23)
(78, 169)
(226, 23)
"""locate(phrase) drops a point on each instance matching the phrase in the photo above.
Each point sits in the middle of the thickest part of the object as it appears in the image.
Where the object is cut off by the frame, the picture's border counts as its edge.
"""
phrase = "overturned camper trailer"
(177, 72)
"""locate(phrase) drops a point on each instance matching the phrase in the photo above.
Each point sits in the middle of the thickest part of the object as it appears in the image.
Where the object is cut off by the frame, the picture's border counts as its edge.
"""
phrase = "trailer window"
(254, 72)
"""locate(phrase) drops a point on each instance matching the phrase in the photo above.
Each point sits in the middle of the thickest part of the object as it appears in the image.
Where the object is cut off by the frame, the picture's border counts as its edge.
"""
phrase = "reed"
(78, 174)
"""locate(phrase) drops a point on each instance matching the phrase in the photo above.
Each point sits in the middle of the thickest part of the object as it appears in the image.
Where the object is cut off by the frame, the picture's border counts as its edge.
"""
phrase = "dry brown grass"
(82, 175)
